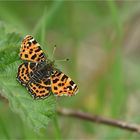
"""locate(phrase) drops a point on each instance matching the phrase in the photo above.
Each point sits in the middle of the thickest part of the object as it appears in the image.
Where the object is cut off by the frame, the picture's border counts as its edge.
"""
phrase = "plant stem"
(98, 119)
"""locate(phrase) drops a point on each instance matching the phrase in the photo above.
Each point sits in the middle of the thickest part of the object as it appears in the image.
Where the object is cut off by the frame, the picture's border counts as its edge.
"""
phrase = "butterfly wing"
(24, 71)
(31, 50)
(40, 89)
(62, 84)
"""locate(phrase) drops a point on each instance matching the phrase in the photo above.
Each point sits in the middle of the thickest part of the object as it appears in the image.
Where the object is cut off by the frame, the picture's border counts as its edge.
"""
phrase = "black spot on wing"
(34, 41)
(41, 55)
(55, 88)
(69, 87)
(55, 80)
(58, 74)
(38, 49)
(53, 76)
(59, 84)
(38, 59)
(26, 55)
(75, 87)
(71, 82)
(34, 56)
(30, 52)
(43, 91)
(22, 70)
(29, 43)
(64, 77)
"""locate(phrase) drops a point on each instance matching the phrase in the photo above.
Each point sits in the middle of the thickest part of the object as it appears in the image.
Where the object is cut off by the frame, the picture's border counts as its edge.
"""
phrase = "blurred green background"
(101, 39)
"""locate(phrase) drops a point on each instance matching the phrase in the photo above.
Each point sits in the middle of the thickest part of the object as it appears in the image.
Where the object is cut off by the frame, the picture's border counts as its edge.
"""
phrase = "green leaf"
(36, 113)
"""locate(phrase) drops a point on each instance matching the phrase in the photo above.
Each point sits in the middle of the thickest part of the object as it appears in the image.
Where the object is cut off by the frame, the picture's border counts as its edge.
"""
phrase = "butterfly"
(38, 74)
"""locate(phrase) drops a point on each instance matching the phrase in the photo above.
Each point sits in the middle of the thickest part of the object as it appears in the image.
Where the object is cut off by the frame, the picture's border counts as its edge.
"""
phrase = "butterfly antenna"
(62, 60)
(53, 52)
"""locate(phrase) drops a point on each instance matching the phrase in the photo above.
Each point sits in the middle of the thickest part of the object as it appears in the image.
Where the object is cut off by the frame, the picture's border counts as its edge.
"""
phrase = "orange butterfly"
(38, 74)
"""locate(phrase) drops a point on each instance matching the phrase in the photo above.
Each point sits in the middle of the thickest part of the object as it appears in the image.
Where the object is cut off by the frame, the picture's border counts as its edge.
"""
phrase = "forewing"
(63, 85)
(40, 89)
(24, 71)
(31, 50)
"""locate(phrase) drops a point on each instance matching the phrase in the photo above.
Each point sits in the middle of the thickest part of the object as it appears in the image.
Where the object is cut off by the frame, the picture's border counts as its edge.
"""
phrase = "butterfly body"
(39, 75)
(42, 70)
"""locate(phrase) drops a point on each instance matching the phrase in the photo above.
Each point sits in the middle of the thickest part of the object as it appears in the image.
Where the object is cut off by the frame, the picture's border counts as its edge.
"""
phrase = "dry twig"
(98, 119)
(94, 118)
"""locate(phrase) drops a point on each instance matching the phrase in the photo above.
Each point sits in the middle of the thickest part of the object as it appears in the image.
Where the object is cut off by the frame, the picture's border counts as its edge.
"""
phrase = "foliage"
(36, 113)
(93, 34)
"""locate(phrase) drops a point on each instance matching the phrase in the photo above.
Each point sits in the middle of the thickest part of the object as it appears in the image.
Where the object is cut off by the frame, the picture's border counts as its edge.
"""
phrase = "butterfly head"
(51, 63)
